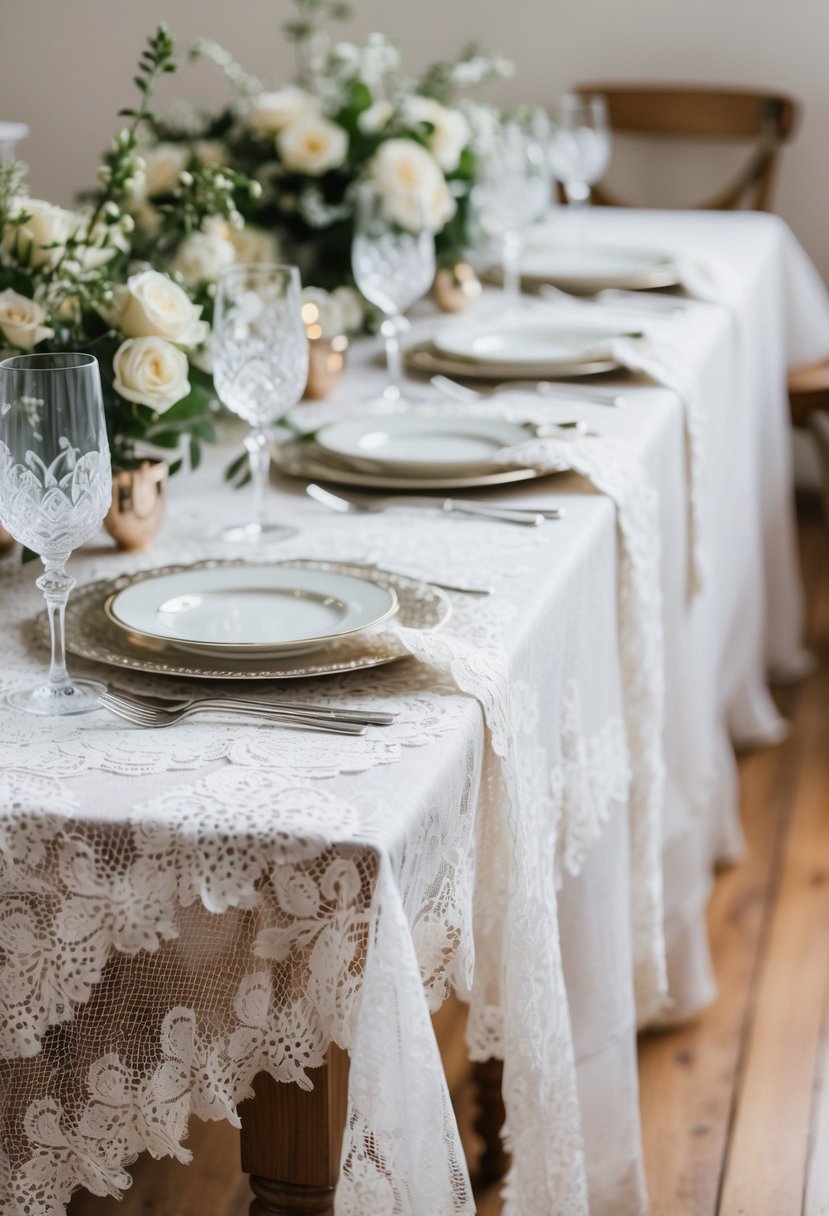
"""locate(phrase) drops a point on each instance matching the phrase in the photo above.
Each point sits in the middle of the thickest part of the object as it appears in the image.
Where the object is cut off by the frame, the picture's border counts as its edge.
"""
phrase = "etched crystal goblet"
(260, 367)
(55, 489)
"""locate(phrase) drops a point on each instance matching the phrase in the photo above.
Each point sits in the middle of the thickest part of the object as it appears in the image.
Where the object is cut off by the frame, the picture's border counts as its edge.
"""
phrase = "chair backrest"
(668, 112)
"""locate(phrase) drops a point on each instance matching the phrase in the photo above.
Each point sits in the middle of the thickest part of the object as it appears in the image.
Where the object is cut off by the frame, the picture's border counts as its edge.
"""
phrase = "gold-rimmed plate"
(250, 610)
(91, 636)
(424, 357)
(588, 268)
(300, 458)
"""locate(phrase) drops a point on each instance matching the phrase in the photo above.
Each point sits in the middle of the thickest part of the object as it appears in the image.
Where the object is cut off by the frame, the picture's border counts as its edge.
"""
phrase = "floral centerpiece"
(348, 114)
(77, 280)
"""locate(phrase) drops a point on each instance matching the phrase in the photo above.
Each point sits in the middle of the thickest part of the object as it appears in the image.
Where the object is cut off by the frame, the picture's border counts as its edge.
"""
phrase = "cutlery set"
(154, 712)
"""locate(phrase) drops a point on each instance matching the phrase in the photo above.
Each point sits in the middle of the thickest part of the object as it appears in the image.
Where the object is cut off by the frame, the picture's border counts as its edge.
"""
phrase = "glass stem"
(511, 260)
(578, 199)
(390, 329)
(56, 584)
(256, 442)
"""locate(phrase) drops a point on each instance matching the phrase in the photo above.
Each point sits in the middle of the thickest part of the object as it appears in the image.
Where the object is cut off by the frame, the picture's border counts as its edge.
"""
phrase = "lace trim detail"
(594, 771)
(613, 467)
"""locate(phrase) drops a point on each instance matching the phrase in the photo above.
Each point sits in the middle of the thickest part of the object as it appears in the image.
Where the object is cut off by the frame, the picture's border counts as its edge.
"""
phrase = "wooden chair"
(702, 113)
(663, 112)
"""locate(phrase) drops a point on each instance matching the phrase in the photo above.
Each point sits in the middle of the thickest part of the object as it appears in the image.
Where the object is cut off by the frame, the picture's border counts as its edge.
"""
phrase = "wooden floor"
(735, 1108)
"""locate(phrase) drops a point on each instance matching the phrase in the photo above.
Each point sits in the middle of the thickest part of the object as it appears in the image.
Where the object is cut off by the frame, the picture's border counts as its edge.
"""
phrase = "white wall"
(66, 66)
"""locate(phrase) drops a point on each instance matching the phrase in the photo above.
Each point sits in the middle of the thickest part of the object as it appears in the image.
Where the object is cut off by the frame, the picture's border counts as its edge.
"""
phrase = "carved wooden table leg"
(291, 1141)
(494, 1162)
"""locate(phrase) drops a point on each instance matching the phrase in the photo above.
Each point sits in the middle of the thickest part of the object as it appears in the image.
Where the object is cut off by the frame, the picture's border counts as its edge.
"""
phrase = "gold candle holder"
(138, 501)
(326, 361)
(456, 287)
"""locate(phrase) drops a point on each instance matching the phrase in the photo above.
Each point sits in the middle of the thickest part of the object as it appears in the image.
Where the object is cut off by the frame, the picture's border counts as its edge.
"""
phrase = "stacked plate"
(409, 452)
(584, 269)
(239, 620)
(518, 347)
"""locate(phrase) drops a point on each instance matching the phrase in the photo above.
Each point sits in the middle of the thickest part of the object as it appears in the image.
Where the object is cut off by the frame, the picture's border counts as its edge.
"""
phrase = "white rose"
(270, 112)
(413, 185)
(321, 308)
(164, 165)
(377, 116)
(254, 244)
(155, 306)
(202, 256)
(21, 320)
(106, 241)
(47, 225)
(450, 133)
(352, 307)
(151, 371)
(312, 145)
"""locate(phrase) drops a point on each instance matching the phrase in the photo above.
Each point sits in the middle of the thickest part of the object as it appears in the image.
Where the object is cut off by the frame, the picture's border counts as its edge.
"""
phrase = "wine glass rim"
(39, 361)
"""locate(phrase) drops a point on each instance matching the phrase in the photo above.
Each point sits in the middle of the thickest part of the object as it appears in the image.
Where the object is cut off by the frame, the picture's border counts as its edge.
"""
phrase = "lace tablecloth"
(180, 910)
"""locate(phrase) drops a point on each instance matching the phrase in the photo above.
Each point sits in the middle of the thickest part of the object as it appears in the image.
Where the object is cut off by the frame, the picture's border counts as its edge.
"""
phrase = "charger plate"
(91, 636)
(300, 458)
(424, 357)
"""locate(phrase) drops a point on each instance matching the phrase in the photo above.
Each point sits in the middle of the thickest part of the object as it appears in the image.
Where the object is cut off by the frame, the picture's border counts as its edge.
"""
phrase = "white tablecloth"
(176, 906)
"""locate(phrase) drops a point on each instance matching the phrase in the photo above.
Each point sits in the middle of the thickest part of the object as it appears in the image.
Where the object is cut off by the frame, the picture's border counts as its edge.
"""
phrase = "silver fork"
(147, 716)
(544, 388)
(365, 717)
(348, 504)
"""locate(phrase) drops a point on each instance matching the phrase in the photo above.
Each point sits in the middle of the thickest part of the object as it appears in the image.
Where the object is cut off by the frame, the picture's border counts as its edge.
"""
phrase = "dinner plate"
(299, 458)
(591, 268)
(92, 635)
(249, 610)
(428, 360)
(526, 340)
(419, 446)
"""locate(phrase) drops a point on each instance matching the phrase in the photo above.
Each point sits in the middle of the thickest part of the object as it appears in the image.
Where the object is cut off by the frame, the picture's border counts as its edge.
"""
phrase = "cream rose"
(254, 244)
(202, 256)
(413, 185)
(270, 112)
(164, 164)
(47, 225)
(21, 320)
(151, 371)
(450, 133)
(312, 145)
(155, 306)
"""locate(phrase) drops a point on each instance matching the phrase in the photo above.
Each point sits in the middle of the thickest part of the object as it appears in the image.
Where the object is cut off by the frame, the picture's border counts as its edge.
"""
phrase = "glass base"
(396, 401)
(73, 697)
(256, 534)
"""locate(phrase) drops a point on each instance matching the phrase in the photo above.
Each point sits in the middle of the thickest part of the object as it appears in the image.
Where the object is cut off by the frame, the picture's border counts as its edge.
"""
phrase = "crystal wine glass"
(393, 260)
(579, 147)
(512, 192)
(260, 367)
(55, 488)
